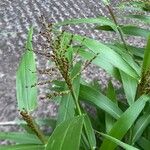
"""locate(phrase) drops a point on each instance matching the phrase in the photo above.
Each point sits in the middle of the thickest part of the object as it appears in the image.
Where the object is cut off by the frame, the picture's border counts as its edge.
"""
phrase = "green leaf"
(144, 18)
(137, 5)
(144, 143)
(84, 142)
(129, 85)
(66, 135)
(132, 5)
(19, 137)
(127, 29)
(126, 56)
(109, 120)
(136, 31)
(101, 62)
(146, 60)
(90, 95)
(100, 20)
(111, 92)
(125, 122)
(25, 78)
(118, 142)
(140, 126)
(105, 28)
(23, 147)
(67, 106)
(107, 55)
(137, 51)
(89, 132)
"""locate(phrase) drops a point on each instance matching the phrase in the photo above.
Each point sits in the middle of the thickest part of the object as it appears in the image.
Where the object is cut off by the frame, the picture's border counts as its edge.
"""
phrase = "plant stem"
(75, 100)
(79, 110)
(118, 28)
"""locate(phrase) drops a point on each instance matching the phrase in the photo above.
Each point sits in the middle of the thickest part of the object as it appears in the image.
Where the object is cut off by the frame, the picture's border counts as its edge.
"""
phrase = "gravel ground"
(15, 18)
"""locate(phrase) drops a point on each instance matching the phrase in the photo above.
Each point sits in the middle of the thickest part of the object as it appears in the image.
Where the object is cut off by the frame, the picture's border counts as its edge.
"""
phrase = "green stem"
(118, 28)
(78, 109)
(76, 101)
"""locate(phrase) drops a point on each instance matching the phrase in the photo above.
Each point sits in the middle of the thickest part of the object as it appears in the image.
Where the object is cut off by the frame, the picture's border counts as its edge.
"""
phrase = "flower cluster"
(145, 83)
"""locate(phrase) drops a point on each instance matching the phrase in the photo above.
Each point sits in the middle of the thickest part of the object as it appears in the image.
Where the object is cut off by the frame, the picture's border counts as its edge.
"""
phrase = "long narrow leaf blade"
(90, 132)
(66, 135)
(109, 120)
(99, 100)
(21, 138)
(23, 147)
(146, 60)
(25, 78)
(129, 85)
(137, 51)
(107, 54)
(128, 30)
(100, 20)
(144, 143)
(135, 31)
(66, 109)
(118, 142)
(101, 62)
(140, 126)
(125, 122)
(144, 18)
(126, 56)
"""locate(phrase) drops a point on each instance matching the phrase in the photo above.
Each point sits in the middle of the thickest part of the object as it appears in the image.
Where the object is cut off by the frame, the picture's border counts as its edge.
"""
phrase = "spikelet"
(55, 94)
(32, 125)
(87, 63)
(145, 83)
